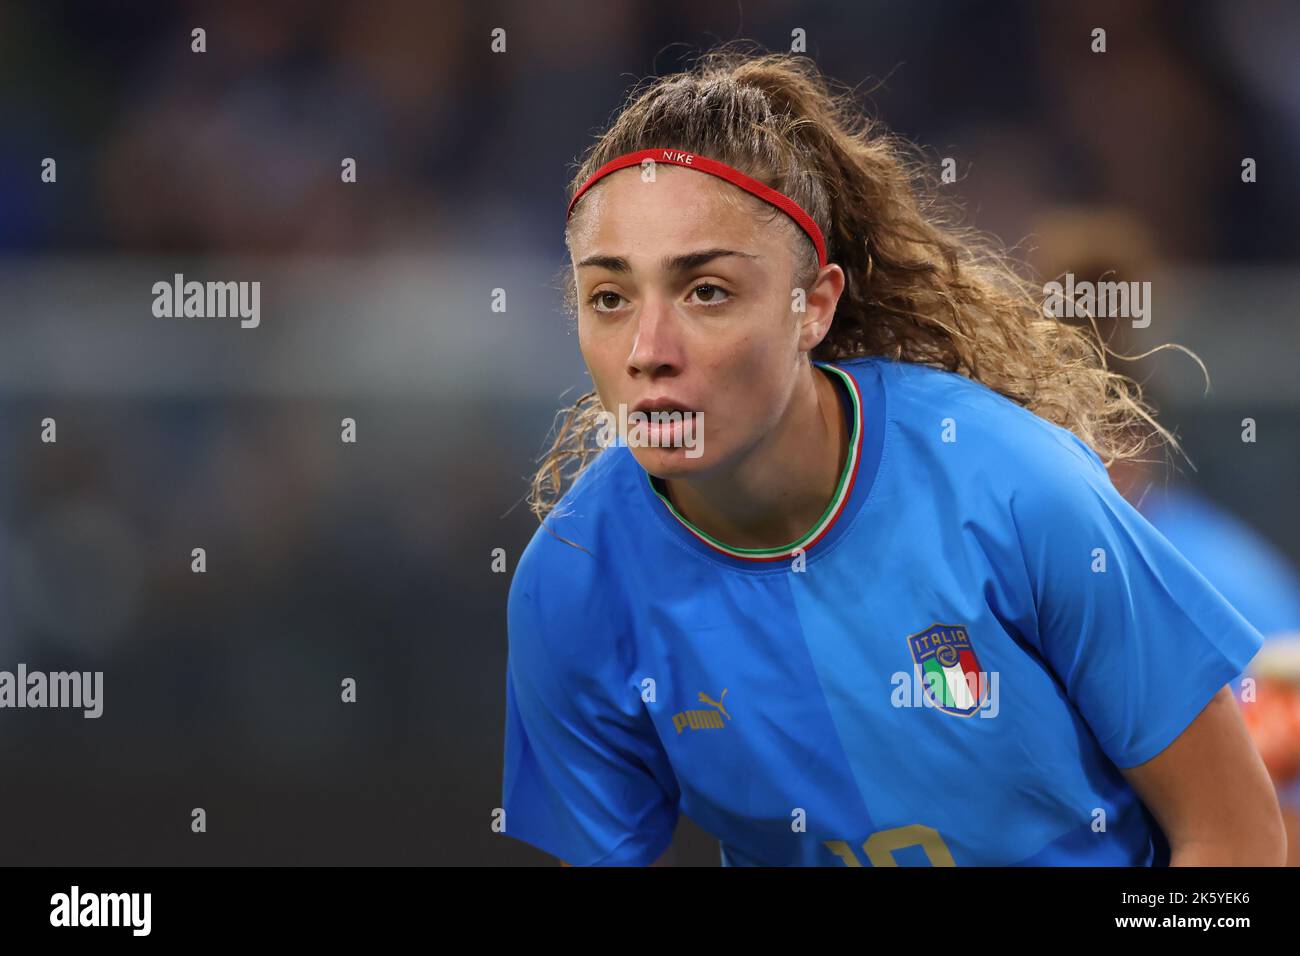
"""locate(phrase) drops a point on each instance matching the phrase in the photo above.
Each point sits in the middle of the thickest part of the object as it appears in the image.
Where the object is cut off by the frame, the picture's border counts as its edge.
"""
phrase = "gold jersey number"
(880, 846)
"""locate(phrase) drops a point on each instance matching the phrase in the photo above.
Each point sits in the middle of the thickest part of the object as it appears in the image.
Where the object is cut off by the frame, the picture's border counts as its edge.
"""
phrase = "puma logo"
(703, 719)
(706, 699)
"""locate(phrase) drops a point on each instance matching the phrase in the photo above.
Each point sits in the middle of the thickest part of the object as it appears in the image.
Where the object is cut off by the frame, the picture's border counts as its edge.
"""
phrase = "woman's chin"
(671, 463)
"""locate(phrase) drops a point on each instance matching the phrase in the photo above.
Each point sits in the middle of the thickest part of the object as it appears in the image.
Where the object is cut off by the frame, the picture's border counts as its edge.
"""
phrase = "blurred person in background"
(1109, 244)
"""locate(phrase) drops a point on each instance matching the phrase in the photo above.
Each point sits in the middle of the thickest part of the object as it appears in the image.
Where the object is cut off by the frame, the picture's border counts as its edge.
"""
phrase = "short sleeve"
(1139, 638)
(585, 778)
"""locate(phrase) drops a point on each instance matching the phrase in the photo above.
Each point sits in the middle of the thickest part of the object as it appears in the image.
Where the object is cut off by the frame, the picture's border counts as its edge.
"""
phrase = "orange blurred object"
(1273, 719)
(1271, 709)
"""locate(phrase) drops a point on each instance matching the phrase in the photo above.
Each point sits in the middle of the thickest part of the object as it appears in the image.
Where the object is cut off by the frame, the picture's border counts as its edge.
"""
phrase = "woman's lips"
(669, 422)
(662, 404)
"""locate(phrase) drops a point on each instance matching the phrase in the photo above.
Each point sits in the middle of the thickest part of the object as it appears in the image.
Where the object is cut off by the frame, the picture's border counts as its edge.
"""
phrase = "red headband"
(679, 158)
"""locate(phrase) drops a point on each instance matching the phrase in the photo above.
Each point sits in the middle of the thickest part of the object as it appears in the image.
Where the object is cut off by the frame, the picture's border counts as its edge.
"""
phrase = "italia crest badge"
(948, 668)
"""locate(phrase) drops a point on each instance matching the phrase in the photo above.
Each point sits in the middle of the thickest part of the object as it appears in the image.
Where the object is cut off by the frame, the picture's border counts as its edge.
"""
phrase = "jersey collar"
(821, 529)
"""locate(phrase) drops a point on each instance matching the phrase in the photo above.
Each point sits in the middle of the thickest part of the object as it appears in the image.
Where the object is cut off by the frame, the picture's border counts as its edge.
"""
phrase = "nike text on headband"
(678, 157)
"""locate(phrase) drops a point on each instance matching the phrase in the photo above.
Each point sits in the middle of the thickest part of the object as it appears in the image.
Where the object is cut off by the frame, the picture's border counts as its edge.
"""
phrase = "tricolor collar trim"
(842, 491)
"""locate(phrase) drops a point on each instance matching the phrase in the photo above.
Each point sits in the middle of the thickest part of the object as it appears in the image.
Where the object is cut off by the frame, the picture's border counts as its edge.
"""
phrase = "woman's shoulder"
(575, 538)
(565, 594)
(973, 423)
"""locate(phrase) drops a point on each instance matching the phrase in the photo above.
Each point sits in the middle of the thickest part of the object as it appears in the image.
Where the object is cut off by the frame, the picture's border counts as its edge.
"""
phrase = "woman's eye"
(712, 298)
(603, 297)
(706, 292)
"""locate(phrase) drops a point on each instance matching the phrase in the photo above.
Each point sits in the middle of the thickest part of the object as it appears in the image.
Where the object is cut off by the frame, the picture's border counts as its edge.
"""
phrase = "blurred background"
(373, 560)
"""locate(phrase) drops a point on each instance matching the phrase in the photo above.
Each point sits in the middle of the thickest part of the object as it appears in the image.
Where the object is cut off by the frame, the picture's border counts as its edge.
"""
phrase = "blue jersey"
(950, 668)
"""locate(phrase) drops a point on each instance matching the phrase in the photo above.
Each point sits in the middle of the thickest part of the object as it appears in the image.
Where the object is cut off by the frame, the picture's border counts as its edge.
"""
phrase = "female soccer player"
(884, 607)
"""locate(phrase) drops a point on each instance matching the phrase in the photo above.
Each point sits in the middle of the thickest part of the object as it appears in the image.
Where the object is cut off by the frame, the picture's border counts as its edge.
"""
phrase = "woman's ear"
(818, 305)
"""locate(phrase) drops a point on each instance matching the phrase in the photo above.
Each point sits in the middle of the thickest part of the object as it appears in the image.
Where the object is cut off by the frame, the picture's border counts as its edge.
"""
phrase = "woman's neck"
(779, 490)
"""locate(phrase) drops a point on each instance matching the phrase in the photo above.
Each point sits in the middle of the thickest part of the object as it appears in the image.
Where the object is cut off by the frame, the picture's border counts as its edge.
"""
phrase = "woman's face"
(685, 299)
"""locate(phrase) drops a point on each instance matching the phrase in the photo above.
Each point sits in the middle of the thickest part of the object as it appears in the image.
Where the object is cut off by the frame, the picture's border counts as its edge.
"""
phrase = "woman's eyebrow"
(679, 263)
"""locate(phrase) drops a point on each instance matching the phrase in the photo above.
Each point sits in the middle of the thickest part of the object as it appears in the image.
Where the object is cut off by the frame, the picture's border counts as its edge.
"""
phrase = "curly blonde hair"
(920, 287)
